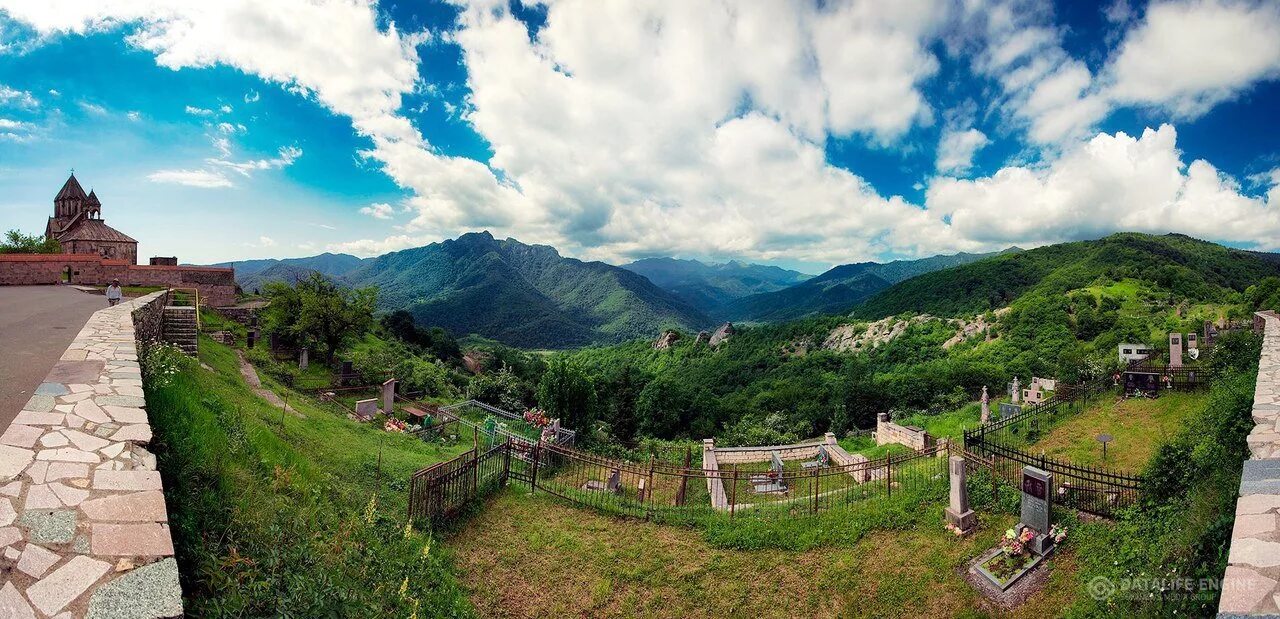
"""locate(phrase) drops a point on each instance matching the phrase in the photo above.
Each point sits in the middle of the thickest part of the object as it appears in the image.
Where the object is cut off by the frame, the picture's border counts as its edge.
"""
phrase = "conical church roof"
(71, 190)
(93, 199)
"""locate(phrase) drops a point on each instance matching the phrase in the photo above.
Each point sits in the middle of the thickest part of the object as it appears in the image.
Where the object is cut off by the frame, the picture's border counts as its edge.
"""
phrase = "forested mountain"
(840, 288)
(1062, 311)
(1185, 267)
(254, 274)
(709, 286)
(523, 295)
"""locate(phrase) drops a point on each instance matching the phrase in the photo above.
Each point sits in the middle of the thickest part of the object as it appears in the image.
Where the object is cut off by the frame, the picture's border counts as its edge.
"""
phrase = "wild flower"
(371, 509)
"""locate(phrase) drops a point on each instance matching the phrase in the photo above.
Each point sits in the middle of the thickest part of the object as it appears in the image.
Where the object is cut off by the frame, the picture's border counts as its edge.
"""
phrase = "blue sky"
(792, 133)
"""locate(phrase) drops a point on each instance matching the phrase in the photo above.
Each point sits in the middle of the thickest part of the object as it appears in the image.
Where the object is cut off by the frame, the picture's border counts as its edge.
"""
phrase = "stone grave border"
(83, 525)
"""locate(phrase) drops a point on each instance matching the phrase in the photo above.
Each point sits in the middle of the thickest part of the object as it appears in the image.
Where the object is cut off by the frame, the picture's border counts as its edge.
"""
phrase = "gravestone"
(389, 396)
(1037, 505)
(366, 409)
(348, 373)
(252, 337)
(303, 360)
(1175, 350)
(1006, 410)
(958, 512)
(986, 405)
(1015, 390)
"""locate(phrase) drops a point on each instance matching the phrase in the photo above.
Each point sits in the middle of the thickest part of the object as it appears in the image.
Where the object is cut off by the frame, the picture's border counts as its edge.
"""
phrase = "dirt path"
(251, 378)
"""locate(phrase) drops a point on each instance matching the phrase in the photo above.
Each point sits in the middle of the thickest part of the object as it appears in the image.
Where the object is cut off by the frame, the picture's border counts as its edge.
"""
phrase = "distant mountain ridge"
(254, 274)
(523, 295)
(710, 286)
(841, 288)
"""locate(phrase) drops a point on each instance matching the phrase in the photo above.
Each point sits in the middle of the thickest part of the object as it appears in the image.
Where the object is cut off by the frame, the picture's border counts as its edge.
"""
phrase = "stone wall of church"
(111, 250)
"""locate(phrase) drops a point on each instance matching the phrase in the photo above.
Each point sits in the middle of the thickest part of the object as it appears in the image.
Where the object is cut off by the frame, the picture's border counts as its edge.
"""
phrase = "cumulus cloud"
(252, 96)
(92, 108)
(377, 247)
(1188, 56)
(1114, 182)
(378, 210)
(620, 129)
(956, 149)
(198, 111)
(206, 179)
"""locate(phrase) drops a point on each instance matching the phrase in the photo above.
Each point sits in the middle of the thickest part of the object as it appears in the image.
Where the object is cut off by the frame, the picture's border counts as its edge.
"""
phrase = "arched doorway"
(66, 274)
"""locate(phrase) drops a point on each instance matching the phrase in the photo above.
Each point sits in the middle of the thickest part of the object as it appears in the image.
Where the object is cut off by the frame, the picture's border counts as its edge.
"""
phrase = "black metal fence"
(438, 492)
(671, 493)
(1095, 490)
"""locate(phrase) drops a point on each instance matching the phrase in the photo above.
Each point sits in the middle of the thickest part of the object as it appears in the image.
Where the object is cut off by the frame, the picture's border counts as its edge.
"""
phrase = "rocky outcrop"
(665, 340)
(702, 338)
(855, 337)
(721, 335)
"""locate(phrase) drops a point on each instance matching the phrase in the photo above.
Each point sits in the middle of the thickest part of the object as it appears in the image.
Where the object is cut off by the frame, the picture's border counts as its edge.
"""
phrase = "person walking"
(114, 293)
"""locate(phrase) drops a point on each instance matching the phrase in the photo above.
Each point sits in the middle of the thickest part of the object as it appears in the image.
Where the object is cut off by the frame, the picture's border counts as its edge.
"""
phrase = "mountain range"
(709, 287)
(530, 295)
(839, 289)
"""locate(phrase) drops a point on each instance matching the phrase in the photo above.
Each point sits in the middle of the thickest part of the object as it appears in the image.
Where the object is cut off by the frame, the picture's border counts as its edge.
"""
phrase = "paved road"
(37, 323)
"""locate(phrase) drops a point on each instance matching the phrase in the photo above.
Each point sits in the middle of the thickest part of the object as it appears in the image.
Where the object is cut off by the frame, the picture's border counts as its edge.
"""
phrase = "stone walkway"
(83, 526)
(251, 378)
(1251, 586)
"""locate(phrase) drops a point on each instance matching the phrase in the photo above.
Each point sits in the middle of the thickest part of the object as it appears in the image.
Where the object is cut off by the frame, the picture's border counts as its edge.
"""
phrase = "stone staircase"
(180, 328)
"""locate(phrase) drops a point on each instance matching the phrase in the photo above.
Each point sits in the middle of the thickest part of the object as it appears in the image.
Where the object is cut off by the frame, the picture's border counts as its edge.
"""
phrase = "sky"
(802, 134)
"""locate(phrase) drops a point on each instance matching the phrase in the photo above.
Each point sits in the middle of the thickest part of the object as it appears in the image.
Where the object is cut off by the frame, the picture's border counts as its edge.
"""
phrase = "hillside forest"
(922, 347)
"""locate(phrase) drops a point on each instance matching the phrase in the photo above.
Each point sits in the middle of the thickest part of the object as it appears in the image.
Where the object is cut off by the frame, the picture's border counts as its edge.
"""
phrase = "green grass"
(535, 556)
(1138, 427)
(290, 516)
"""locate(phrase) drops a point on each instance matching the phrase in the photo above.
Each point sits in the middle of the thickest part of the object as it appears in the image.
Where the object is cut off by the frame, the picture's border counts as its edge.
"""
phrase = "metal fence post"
(888, 476)
(815, 491)
(533, 478)
(733, 492)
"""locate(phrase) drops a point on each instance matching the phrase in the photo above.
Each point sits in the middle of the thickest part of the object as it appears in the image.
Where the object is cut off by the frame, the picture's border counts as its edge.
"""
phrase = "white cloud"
(1108, 184)
(198, 111)
(371, 247)
(285, 157)
(252, 96)
(1188, 56)
(378, 210)
(207, 179)
(17, 98)
(135, 116)
(266, 241)
(225, 109)
(92, 108)
(6, 123)
(956, 149)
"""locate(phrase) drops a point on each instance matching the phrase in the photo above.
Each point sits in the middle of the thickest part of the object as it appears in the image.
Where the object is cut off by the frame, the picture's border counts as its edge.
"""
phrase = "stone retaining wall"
(217, 285)
(1251, 586)
(83, 526)
(889, 432)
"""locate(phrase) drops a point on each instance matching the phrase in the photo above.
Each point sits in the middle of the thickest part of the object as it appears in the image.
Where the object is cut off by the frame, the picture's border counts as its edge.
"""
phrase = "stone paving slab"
(83, 527)
(1251, 585)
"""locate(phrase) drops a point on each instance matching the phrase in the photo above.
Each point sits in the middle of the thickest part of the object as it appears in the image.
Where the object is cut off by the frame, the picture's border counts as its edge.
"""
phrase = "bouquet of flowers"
(1058, 533)
(394, 425)
(537, 417)
(1015, 544)
(954, 529)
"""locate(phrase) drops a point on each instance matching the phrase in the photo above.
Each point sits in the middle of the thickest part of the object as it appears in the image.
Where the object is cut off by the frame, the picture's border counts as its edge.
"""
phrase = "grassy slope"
(534, 556)
(1139, 427)
(271, 519)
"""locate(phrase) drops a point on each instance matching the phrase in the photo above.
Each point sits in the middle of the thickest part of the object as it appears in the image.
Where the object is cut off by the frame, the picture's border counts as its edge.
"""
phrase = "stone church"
(77, 224)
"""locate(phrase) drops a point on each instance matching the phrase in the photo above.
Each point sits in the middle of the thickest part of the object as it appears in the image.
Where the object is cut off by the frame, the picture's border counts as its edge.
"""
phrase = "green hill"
(839, 289)
(522, 295)
(1183, 266)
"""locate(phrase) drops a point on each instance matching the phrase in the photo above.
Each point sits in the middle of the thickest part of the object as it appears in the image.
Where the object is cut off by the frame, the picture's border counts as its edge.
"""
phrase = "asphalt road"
(37, 323)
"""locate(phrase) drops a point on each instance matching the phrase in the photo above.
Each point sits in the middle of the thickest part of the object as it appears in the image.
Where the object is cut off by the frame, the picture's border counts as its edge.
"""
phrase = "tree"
(15, 242)
(566, 391)
(318, 312)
